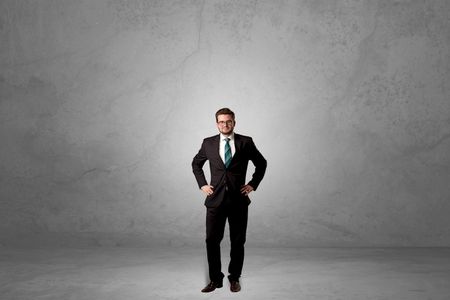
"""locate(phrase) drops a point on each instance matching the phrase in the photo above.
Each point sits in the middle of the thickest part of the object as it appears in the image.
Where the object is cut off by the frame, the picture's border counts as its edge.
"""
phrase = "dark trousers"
(236, 211)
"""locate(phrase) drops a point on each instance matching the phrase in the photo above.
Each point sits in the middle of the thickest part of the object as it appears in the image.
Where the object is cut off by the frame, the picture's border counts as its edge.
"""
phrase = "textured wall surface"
(103, 104)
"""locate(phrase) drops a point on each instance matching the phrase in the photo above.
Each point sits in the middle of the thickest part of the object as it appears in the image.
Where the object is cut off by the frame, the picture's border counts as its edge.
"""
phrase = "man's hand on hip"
(207, 189)
(246, 189)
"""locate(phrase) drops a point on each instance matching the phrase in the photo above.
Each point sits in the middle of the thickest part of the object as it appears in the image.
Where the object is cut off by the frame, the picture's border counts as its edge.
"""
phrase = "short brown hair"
(224, 111)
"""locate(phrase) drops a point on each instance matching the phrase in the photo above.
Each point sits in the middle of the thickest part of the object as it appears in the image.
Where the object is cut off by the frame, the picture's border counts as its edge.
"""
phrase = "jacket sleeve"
(197, 166)
(260, 166)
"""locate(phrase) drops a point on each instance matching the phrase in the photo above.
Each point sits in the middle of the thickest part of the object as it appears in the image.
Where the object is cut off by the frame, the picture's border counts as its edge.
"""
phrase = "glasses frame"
(223, 123)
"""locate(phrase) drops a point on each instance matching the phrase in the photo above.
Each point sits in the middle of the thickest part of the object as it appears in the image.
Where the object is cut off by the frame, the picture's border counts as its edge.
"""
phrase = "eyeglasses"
(222, 123)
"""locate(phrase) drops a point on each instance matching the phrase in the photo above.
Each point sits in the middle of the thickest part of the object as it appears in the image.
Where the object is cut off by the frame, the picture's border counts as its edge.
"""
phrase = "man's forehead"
(224, 116)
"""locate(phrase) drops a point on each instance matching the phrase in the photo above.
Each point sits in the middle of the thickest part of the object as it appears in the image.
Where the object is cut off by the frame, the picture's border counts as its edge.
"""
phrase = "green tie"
(227, 152)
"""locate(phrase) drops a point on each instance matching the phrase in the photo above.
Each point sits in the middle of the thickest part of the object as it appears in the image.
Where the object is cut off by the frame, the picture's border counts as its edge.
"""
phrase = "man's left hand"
(246, 189)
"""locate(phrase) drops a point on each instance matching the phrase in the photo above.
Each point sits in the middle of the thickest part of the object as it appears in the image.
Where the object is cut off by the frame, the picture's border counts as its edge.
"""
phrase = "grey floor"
(180, 273)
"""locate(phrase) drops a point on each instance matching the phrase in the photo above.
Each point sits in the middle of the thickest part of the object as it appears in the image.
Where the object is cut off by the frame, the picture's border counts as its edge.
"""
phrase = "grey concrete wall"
(103, 104)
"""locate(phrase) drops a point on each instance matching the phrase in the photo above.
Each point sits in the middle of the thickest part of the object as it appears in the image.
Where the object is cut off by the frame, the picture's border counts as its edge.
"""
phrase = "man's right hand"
(207, 189)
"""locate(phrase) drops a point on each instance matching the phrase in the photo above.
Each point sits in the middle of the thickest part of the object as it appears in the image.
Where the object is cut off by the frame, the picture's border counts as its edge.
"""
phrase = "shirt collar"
(231, 137)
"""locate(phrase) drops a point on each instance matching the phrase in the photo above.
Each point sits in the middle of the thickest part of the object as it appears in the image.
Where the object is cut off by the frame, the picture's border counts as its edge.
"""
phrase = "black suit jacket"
(233, 177)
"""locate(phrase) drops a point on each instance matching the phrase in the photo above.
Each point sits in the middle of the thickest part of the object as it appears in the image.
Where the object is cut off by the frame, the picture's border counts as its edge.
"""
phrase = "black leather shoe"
(235, 286)
(212, 286)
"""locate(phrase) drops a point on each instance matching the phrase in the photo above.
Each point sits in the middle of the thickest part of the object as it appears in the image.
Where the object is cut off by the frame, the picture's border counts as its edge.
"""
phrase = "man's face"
(225, 124)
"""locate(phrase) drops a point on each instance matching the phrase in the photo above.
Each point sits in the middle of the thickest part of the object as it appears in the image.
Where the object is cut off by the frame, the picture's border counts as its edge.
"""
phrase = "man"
(227, 194)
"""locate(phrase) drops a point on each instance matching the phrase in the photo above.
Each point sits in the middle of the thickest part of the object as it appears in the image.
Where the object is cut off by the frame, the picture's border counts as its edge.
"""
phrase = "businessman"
(227, 193)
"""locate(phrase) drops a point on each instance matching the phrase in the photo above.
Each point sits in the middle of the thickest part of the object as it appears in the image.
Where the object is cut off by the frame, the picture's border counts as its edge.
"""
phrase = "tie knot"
(227, 140)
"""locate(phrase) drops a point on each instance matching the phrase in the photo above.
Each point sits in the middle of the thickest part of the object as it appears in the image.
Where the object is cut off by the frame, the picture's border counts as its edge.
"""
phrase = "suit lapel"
(217, 147)
(237, 143)
(237, 147)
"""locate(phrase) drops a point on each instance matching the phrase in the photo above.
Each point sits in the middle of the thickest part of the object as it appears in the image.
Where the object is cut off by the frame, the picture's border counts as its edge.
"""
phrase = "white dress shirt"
(222, 145)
